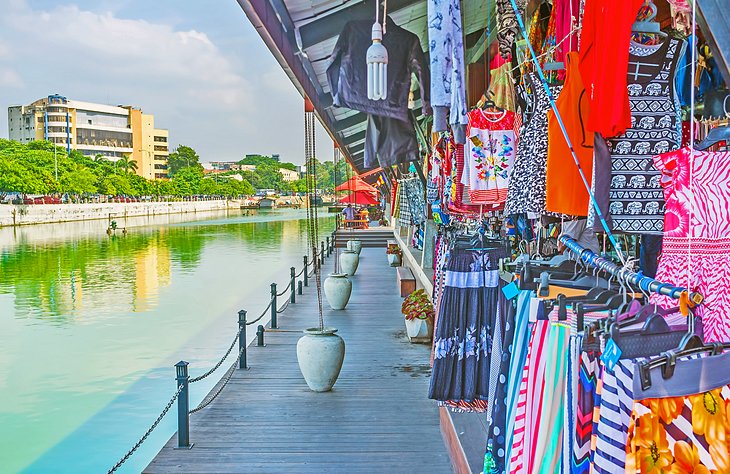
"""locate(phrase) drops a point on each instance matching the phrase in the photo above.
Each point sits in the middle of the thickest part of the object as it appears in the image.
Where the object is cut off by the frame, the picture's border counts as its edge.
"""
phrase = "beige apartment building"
(94, 129)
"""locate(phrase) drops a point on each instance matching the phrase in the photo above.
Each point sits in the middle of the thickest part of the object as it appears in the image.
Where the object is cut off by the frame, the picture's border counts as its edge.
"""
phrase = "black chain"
(266, 311)
(226, 378)
(201, 377)
(284, 306)
(285, 290)
(148, 432)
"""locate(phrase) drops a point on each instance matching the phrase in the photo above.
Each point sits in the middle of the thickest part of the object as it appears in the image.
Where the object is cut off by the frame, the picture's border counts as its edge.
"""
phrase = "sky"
(197, 65)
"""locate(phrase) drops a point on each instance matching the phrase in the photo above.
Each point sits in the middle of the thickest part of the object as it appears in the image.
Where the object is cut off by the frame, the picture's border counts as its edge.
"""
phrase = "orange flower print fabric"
(680, 435)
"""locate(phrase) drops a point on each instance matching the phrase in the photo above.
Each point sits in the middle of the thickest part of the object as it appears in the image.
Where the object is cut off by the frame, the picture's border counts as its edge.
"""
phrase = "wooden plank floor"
(377, 418)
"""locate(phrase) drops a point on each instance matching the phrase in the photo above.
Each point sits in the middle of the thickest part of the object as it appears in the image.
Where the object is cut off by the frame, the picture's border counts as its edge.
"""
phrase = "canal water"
(92, 325)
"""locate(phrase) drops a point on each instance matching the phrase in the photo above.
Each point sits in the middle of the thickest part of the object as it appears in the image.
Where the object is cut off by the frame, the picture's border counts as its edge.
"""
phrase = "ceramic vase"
(337, 290)
(355, 245)
(394, 259)
(349, 261)
(320, 354)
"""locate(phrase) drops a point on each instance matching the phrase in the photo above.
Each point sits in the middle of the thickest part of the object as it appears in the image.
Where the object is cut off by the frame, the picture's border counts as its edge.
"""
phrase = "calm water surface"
(92, 325)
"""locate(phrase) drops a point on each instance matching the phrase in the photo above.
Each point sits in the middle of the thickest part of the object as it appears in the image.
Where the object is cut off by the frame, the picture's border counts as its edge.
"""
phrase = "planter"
(419, 330)
(320, 355)
(355, 245)
(349, 261)
(394, 259)
(337, 290)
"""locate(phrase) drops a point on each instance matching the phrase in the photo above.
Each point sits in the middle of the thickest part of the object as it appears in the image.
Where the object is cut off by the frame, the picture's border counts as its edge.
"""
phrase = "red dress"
(604, 62)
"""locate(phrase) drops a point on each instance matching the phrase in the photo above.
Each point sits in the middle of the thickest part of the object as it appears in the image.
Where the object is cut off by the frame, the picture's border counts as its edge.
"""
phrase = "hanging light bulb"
(377, 61)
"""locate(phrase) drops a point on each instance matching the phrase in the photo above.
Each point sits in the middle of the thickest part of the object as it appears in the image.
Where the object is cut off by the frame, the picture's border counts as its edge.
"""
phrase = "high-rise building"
(94, 129)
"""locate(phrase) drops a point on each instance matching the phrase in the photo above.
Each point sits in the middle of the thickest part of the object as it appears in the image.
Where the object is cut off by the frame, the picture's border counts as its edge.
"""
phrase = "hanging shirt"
(566, 191)
(604, 58)
(490, 154)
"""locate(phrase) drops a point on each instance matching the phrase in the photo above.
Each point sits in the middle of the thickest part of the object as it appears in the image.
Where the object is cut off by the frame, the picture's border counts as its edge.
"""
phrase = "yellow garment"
(501, 88)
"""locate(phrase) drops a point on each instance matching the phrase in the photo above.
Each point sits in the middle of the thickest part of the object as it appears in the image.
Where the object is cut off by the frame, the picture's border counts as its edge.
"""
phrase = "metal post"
(299, 287)
(260, 336)
(322, 253)
(293, 284)
(273, 306)
(183, 425)
(242, 339)
(306, 271)
(328, 246)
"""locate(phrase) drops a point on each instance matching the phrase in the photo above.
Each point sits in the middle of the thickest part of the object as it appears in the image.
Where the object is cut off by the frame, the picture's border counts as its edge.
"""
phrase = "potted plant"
(394, 254)
(418, 311)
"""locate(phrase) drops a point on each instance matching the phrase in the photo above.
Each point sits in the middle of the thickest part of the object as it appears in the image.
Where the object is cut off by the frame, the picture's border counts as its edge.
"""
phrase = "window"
(160, 148)
(161, 139)
(158, 166)
(103, 138)
(161, 157)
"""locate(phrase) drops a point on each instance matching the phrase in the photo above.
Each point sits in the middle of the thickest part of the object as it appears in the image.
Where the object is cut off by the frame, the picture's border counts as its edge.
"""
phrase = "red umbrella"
(355, 184)
(364, 198)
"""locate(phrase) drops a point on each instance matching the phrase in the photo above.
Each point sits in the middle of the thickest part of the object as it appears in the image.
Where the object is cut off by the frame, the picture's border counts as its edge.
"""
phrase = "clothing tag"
(611, 355)
(534, 309)
(510, 291)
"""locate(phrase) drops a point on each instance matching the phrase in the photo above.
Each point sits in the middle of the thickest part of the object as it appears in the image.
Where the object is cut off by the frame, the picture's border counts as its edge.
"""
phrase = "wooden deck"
(377, 418)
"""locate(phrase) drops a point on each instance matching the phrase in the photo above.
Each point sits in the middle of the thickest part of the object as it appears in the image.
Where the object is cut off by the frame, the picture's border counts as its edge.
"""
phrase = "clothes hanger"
(715, 136)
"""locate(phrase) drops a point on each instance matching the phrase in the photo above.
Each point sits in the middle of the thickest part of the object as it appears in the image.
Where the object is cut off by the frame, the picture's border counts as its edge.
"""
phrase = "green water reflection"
(85, 315)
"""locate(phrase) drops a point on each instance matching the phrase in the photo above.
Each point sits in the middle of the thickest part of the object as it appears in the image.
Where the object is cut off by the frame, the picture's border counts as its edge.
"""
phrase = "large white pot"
(355, 245)
(320, 355)
(349, 261)
(394, 259)
(337, 289)
(419, 330)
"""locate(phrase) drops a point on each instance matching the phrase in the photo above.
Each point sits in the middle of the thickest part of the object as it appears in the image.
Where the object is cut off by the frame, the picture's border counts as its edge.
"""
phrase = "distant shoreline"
(31, 214)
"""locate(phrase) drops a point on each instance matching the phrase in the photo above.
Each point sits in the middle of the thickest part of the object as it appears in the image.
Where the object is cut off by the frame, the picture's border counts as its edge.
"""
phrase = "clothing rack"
(623, 274)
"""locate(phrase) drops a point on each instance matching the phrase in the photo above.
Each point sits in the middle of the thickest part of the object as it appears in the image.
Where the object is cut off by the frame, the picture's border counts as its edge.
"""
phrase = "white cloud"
(223, 102)
(9, 78)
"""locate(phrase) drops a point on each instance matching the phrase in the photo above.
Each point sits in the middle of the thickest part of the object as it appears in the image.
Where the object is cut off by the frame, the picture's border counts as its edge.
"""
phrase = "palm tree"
(127, 164)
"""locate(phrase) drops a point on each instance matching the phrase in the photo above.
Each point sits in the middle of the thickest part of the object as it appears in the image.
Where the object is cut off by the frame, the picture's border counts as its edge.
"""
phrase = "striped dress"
(696, 246)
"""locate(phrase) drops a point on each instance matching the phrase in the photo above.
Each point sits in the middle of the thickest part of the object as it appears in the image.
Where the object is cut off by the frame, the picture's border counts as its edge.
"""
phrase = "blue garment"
(446, 52)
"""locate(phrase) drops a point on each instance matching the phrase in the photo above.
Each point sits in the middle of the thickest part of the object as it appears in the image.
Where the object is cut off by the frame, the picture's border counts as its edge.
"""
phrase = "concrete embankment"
(11, 214)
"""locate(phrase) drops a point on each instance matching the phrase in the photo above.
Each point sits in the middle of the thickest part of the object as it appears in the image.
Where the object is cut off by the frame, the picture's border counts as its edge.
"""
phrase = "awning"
(301, 34)
(355, 184)
(360, 197)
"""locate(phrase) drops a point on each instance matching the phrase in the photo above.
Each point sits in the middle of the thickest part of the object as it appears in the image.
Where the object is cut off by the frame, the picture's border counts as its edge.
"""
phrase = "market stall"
(562, 167)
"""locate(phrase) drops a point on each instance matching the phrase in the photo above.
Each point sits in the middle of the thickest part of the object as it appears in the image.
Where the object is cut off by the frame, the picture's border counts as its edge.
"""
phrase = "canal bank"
(110, 315)
(24, 214)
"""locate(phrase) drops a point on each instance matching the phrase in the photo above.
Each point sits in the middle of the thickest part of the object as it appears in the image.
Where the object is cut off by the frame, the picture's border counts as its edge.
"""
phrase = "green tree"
(127, 164)
(183, 157)
(78, 181)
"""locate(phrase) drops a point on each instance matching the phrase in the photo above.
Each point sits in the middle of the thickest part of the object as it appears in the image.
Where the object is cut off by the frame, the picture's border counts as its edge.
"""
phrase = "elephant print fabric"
(637, 201)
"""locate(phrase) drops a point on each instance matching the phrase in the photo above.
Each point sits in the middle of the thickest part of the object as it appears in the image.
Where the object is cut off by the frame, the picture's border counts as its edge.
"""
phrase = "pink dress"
(697, 233)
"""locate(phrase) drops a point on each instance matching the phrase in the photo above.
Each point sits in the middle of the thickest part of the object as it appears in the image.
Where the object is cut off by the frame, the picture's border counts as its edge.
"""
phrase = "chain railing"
(181, 368)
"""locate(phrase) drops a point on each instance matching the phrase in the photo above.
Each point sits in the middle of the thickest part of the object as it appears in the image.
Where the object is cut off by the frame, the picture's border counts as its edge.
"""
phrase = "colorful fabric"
(615, 416)
(697, 251)
(446, 55)
(463, 337)
(581, 462)
(520, 344)
(490, 154)
(550, 415)
(526, 192)
(529, 408)
(682, 424)
(636, 198)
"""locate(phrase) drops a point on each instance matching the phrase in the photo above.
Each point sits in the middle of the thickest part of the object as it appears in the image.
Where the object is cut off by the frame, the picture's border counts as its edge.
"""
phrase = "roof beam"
(328, 26)
(355, 137)
(351, 121)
